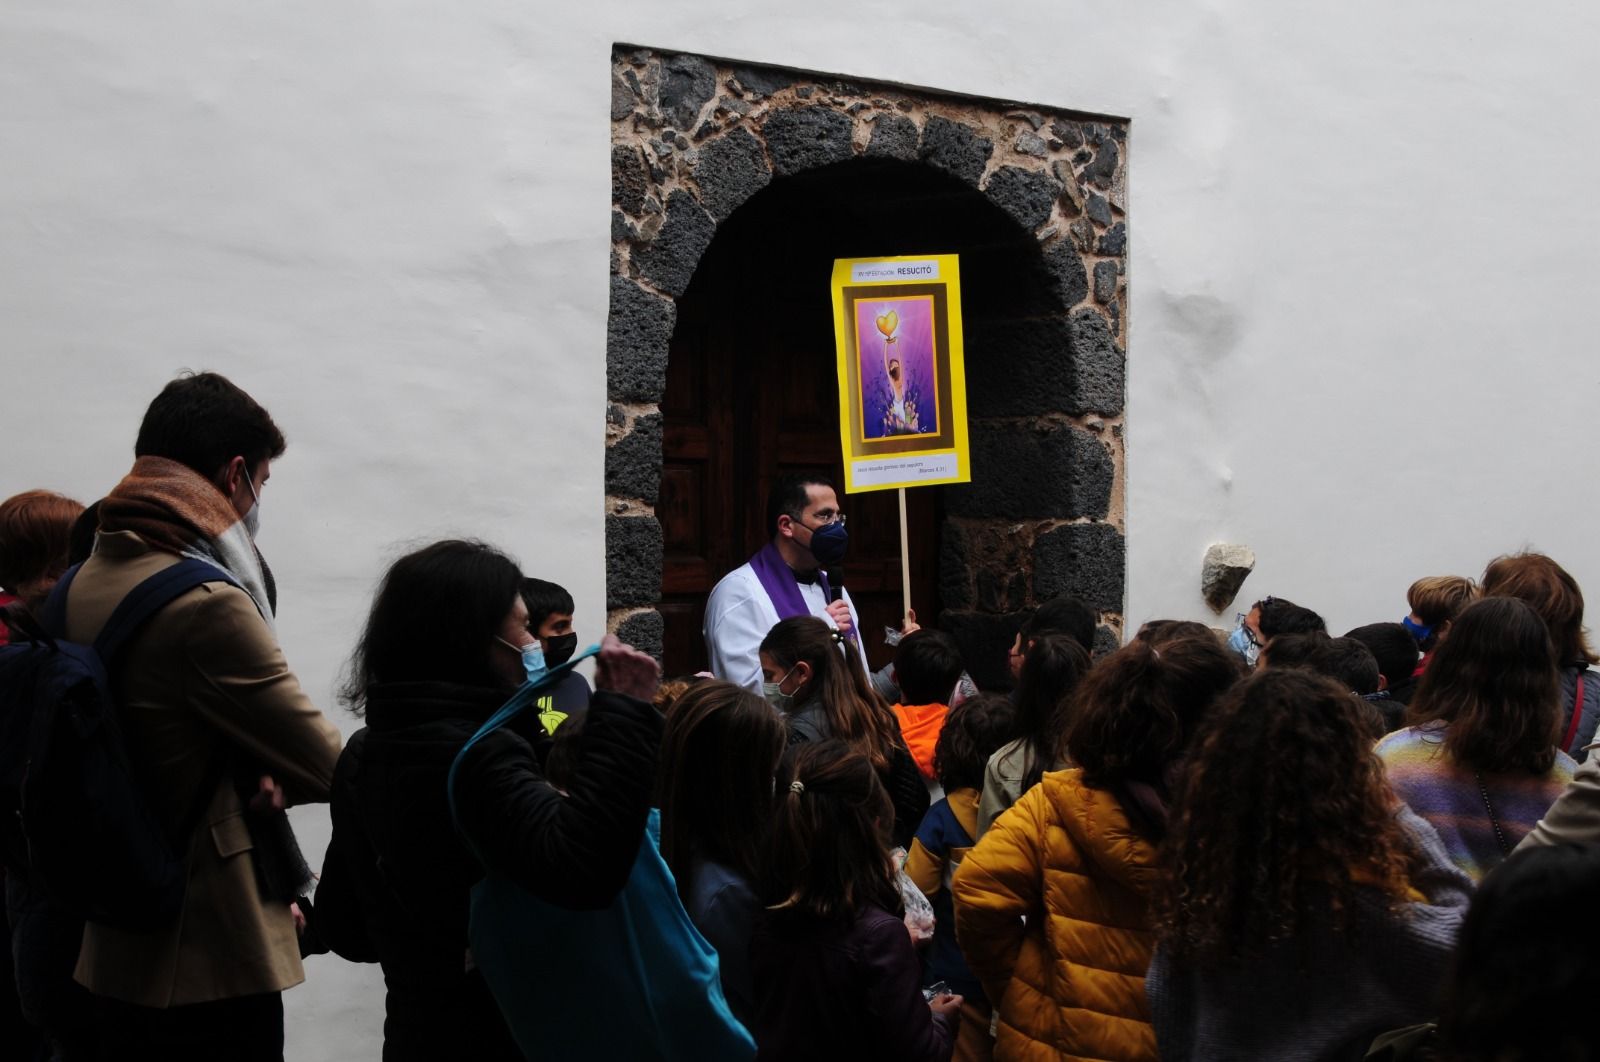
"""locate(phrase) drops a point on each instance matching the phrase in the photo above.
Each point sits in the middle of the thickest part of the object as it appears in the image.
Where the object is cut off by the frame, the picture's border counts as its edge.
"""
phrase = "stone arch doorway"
(734, 188)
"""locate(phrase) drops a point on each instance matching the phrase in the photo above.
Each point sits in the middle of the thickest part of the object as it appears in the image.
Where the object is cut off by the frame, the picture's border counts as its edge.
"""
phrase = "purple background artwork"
(917, 411)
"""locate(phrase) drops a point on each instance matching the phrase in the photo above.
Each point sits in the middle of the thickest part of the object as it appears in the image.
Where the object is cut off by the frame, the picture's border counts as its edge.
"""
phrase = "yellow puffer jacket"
(1068, 983)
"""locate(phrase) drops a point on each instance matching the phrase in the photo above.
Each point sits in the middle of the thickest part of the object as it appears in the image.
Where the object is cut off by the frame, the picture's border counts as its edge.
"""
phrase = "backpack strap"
(1577, 714)
(148, 598)
(53, 613)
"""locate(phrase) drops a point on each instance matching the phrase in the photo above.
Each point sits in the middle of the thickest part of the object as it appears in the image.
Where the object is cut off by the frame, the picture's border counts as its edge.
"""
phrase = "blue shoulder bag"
(635, 980)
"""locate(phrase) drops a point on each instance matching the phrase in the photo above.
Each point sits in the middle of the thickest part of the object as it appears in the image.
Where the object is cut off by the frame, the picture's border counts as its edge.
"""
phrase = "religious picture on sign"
(899, 392)
(902, 387)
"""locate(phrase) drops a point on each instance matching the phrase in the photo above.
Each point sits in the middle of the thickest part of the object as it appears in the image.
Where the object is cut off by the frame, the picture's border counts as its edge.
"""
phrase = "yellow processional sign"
(902, 385)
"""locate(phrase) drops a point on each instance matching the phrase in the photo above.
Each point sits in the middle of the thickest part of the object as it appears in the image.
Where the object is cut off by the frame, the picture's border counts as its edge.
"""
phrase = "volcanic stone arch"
(1034, 221)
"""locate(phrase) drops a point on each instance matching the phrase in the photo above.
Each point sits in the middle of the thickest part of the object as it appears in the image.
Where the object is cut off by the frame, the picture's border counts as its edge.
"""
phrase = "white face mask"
(252, 519)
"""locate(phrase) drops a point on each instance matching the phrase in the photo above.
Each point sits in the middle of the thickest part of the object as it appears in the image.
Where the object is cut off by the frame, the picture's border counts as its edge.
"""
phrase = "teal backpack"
(634, 980)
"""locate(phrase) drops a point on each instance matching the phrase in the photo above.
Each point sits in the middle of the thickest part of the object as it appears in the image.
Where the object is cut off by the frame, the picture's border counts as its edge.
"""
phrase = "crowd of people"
(1261, 843)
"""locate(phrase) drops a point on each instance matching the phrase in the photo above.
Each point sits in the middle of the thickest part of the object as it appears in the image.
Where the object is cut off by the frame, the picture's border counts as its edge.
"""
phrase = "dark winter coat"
(397, 877)
(837, 991)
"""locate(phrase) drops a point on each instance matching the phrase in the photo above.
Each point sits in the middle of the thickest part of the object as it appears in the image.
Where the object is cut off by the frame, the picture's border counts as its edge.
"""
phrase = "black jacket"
(397, 877)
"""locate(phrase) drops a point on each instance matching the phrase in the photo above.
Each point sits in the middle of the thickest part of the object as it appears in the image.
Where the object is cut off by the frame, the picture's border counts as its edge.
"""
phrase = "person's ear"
(1383, 682)
(232, 473)
(786, 525)
(802, 669)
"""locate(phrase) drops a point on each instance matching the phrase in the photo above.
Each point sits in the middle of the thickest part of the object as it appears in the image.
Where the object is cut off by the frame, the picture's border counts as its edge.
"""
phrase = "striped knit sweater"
(1447, 795)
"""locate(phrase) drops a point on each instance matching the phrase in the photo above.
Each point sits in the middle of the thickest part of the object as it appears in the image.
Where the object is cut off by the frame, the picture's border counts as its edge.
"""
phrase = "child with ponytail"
(835, 971)
(814, 676)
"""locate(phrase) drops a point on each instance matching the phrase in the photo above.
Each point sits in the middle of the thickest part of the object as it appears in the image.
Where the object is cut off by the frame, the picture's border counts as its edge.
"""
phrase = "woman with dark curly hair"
(1479, 759)
(1052, 905)
(1303, 910)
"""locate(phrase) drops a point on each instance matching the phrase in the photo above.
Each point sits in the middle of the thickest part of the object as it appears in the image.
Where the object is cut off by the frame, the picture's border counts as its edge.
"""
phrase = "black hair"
(1344, 660)
(544, 599)
(789, 497)
(1062, 615)
(1393, 647)
(1525, 949)
(1282, 616)
(203, 420)
(973, 731)
(927, 666)
(1050, 673)
(434, 619)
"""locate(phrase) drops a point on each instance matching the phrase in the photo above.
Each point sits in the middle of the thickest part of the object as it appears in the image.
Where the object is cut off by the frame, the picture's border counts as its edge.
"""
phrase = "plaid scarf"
(175, 509)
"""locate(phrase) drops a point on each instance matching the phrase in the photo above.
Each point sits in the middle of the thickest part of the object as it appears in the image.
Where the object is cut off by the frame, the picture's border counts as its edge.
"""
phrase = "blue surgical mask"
(1417, 630)
(1241, 642)
(830, 542)
(532, 658)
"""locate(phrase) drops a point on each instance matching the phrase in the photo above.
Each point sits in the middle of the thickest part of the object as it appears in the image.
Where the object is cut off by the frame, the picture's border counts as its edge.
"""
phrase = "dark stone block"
(985, 640)
(670, 259)
(763, 80)
(1065, 268)
(893, 137)
(803, 138)
(955, 148)
(1105, 282)
(1086, 560)
(731, 169)
(1115, 241)
(638, 333)
(955, 566)
(1099, 369)
(621, 227)
(1026, 473)
(1099, 210)
(1106, 642)
(1069, 133)
(633, 462)
(633, 561)
(1103, 169)
(1000, 591)
(1021, 367)
(622, 99)
(687, 84)
(645, 631)
(630, 179)
(1026, 195)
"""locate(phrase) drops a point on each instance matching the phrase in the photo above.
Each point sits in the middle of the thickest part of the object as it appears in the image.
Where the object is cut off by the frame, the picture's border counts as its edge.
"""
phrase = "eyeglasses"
(1240, 617)
(825, 518)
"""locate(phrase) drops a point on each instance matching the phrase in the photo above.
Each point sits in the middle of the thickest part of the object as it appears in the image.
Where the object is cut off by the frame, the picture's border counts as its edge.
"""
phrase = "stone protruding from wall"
(1223, 572)
(693, 139)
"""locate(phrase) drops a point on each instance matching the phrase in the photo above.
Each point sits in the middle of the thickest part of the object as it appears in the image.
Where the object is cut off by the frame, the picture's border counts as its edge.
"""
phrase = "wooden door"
(752, 394)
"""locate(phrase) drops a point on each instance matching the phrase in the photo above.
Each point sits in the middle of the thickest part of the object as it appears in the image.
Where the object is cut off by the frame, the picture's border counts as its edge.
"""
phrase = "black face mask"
(559, 648)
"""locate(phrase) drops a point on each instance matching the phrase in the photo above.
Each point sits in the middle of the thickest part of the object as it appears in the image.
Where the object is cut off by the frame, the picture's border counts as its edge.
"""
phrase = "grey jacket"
(1588, 717)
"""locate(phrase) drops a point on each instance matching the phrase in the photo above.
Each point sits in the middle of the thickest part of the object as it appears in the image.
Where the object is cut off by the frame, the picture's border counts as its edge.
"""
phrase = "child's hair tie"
(838, 636)
(797, 787)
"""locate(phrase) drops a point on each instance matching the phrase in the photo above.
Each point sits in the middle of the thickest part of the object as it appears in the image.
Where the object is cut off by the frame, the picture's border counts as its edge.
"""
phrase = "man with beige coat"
(206, 698)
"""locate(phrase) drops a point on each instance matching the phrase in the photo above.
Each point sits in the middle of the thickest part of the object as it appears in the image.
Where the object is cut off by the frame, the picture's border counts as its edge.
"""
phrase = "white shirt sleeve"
(738, 617)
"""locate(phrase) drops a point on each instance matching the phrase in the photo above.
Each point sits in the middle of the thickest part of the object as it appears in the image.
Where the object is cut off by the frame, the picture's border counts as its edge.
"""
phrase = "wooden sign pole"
(905, 556)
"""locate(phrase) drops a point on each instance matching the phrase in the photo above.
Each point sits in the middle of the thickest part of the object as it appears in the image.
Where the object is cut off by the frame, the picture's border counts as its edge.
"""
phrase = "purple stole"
(783, 590)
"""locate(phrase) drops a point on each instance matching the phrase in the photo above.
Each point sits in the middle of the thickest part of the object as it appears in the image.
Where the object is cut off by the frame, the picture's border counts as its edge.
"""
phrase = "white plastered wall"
(1363, 262)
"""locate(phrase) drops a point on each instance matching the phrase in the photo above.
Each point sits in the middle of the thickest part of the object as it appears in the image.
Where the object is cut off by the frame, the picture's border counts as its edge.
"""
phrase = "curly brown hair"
(1284, 817)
